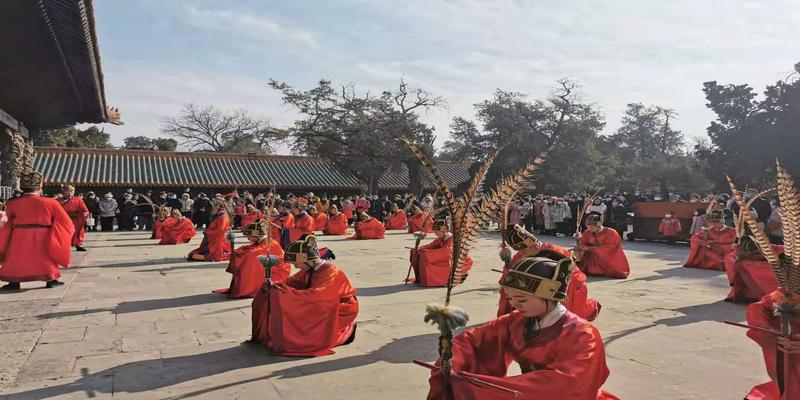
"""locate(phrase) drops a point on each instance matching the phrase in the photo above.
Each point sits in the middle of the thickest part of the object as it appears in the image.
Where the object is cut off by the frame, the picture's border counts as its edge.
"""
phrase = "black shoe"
(11, 286)
(79, 248)
(53, 283)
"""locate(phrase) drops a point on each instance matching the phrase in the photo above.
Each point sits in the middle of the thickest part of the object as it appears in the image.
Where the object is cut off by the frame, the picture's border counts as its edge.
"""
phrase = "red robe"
(761, 315)
(248, 272)
(396, 221)
(36, 239)
(158, 227)
(337, 225)
(370, 229)
(77, 211)
(750, 279)
(714, 254)
(420, 223)
(320, 220)
(176, 232)
(578, 301)
(670, 227)
(249, 218)
(314, 313)
(605, 257)
(215, 245)
(303, 225)
(566, 360)
(275, 227)
(431, 263)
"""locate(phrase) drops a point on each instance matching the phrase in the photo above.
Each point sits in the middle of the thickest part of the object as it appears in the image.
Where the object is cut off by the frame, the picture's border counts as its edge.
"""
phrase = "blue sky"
(158, 55)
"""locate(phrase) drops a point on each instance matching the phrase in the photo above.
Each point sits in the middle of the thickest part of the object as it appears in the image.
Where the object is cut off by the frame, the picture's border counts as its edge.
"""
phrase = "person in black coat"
(202, 208)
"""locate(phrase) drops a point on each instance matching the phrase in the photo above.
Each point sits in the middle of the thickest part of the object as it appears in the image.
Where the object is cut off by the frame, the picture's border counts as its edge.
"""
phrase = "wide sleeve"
(61, 233)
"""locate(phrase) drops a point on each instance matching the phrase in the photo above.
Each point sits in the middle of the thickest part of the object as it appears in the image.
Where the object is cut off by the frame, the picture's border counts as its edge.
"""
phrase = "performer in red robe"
(432, 262)
(397, 219)
(77, 210)
(560, 354)
(247, 270)
(179, 230)
(712, 247)
(670, 227)
(252, 215)
(320, 218)
(215, 245)
(527, 245)
(36, 239)
(303, 223)
(162, 218)
(420, 222)
(311, 312)
(762, 315)
(368, 228)
(599, 250)
(286, 222)
(750, 275)
(337, 223)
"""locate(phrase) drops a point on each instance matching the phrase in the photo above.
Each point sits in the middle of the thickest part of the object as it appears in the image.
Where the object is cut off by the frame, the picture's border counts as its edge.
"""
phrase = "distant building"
(117, 169)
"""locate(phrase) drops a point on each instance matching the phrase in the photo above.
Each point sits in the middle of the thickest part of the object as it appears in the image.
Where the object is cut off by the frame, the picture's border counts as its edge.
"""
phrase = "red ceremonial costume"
(248, 272)
(397, 220)
(431, 262)
(761, 315)
(320, 220)
(369, 229)
(750, 275)
(420, 223)
(175, 232)
(337, 225)
(312, 313)
(249, 218)
(158, 227)
(565, 360)
(35, 241)
(710, 248)
(77, 211)
(578, 301)
(215, 245)
(604, 255)
(303, 225)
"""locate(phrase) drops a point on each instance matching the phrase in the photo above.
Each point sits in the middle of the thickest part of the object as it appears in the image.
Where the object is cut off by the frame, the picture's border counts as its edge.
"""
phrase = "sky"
(158, 55)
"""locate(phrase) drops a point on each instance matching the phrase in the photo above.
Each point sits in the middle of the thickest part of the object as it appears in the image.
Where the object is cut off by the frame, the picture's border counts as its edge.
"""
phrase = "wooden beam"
(7, 121)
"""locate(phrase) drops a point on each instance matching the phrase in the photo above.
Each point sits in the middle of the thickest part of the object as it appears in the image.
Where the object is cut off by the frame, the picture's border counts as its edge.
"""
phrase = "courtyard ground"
(135, 320)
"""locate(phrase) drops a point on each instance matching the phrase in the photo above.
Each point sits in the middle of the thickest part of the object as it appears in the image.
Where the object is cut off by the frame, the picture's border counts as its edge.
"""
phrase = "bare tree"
(211, 129)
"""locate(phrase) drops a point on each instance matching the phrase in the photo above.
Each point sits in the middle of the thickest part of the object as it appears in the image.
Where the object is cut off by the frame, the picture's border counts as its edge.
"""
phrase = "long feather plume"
(790, 217)
(760, 238)
(441, 184)
(492, 204)
(469, 196)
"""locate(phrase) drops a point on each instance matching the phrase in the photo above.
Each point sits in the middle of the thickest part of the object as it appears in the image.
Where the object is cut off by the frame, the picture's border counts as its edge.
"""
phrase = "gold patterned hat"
(258, 228)
(594, 219)
(31, 182)
(302, 250)
(540, 276)
(519, 238)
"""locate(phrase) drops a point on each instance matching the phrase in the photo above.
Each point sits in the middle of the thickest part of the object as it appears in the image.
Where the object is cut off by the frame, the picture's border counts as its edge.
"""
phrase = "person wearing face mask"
(698, 221)
(108, 210)
(202, 208)
(561, 355)
(309, 313)
(711, 248)
(246, 267)
(548, 212)
(670, 227)
(561, 216)
(599, 250)
(92, 203)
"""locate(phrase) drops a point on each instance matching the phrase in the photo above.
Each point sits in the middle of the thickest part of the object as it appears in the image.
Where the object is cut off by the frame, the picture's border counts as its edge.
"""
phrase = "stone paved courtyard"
(137, 321)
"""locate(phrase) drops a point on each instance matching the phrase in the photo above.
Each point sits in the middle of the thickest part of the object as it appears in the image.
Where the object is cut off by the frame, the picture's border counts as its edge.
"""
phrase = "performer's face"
(440, 233)
(715, 225)
(528, 304)
(596, 228)
(67, 192)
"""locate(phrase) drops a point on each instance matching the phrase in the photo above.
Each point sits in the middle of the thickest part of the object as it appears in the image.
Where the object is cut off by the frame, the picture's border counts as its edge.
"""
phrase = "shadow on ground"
(143, 305)
(148, 375)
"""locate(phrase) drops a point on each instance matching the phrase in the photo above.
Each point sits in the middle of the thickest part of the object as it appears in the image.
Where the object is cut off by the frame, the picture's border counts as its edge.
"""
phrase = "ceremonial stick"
(755, 328)
(416, 246)
(474, 381)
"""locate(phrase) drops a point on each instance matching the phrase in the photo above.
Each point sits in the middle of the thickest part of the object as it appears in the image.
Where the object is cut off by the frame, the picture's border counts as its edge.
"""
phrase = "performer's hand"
(790, 345)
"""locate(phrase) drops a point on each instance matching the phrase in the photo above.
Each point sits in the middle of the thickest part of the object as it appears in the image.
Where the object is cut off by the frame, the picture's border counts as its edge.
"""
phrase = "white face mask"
(667, 215)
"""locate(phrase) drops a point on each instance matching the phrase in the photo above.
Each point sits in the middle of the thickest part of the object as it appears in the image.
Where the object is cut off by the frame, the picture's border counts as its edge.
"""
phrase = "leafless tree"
(211, 129)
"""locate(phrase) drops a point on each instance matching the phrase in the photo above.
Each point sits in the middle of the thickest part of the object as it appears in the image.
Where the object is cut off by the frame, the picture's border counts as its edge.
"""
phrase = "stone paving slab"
(137, 321)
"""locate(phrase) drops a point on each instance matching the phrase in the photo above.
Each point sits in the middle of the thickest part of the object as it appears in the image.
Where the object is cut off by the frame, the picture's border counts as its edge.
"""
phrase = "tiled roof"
(134, 168)
(50, 70)
(453, 172)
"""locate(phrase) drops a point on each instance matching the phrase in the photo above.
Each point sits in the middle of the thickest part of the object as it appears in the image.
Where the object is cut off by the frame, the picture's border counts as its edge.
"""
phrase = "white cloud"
(249, 25)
